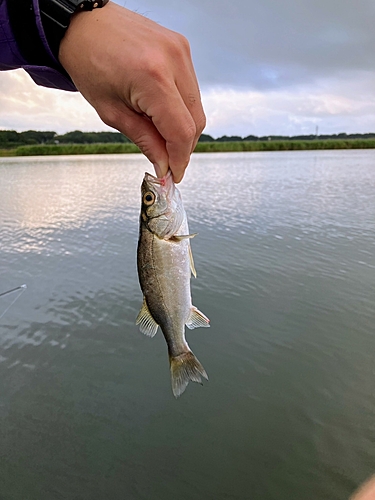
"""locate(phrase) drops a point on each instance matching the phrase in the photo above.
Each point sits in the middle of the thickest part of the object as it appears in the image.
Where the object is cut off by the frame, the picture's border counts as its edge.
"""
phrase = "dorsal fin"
(192, 266)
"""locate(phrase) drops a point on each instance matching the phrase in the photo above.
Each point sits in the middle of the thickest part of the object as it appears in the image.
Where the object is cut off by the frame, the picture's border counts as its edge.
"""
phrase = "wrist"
(56, 16)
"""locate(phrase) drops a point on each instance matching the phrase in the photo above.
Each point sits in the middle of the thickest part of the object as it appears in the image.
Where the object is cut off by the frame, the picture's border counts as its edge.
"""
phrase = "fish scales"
(164, 267)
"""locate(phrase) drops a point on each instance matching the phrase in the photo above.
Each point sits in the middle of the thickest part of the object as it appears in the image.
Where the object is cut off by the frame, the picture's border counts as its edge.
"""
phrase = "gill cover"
(162, 207)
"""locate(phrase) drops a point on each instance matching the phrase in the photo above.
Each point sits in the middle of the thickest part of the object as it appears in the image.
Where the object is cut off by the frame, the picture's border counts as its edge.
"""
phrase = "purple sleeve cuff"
(11, 58)
(42, 35)
(50, 77)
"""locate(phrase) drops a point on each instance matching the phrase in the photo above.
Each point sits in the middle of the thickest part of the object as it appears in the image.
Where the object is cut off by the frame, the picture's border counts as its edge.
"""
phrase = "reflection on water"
(42, 199)
(286, 272)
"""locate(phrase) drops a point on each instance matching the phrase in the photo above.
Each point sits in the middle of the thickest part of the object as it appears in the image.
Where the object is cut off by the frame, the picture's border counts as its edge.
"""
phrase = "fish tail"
(185, 367)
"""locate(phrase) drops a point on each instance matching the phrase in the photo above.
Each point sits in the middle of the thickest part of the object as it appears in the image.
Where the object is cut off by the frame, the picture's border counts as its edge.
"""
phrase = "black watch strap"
(56, 15)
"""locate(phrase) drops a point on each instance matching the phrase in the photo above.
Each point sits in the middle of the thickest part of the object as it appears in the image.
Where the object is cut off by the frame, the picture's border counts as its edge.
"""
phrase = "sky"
(264, 68)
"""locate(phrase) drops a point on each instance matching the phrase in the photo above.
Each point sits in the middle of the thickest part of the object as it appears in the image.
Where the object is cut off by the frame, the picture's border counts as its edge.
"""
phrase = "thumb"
(140, 130)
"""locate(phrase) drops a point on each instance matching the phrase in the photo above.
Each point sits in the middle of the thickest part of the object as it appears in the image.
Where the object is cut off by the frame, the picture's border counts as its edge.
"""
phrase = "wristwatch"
(56, 15)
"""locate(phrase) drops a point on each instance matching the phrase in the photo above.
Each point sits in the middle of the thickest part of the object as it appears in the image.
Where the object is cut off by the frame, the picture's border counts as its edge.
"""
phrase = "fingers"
(187, 85)
(140, 80)
(169, 148)
(177, 127)
(192, 121)
(188, 89)
(166, 132)
(164, 121)
(174, 106)
(140, 130)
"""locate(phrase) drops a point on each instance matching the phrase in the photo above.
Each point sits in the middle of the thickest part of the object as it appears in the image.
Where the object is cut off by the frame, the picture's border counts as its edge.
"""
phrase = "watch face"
(88, 4)
(60, 11)
(81, 4)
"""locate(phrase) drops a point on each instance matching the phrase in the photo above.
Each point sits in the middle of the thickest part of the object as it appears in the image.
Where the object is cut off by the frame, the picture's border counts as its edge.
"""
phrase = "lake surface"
(286, 272)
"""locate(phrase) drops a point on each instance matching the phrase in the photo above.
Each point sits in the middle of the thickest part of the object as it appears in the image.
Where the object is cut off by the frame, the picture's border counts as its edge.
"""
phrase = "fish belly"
(164, 272)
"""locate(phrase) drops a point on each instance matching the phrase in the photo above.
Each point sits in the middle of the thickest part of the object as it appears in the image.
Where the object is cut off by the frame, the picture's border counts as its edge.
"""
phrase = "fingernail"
(161, 169)
(178, 179)
(158, 170)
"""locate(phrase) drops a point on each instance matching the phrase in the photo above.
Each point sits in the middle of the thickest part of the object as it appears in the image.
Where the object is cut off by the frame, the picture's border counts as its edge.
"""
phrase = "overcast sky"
(264, 67)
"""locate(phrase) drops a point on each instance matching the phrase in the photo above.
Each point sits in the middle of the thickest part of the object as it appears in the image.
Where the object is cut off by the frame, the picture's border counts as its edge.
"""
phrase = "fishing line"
(19, 289)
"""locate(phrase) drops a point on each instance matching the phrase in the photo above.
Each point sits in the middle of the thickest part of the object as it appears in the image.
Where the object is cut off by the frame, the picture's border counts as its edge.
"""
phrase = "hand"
(366, 491)
(140, 79)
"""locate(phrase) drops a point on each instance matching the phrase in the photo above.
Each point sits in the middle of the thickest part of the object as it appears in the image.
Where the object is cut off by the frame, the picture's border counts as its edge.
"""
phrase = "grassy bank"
(206, 147)
(202, 147)
(70, 149)
(7, 152)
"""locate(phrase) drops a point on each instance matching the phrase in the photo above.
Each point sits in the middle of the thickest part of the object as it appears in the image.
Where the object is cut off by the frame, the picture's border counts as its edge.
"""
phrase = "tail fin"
(185, 367)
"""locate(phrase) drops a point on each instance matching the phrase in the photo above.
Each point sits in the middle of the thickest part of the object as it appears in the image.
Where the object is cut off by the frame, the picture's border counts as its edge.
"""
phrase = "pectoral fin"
(180, 237)
(146, 322)
(197, 319)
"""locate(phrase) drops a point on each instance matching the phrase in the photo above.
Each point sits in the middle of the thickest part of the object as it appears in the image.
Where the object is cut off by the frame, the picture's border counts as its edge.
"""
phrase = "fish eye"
(148, 198)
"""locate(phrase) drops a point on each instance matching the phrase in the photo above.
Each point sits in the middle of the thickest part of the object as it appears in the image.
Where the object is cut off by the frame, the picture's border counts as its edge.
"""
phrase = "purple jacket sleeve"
(11, 58)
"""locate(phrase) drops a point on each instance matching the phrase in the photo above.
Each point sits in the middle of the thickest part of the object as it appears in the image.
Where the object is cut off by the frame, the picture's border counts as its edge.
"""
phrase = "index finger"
(179, 126)
(175, 108)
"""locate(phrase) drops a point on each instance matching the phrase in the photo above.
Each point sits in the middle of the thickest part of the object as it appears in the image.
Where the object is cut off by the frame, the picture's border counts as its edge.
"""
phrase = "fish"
(165, 264)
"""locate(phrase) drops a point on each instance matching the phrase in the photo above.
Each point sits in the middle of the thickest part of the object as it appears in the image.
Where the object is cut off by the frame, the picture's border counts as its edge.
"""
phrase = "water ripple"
(286, 272)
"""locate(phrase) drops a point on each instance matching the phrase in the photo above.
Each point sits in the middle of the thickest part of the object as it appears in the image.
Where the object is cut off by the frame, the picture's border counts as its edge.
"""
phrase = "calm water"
(286, 272)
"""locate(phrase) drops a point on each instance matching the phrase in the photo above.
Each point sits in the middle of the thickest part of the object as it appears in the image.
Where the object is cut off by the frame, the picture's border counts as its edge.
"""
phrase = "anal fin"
(197, 319)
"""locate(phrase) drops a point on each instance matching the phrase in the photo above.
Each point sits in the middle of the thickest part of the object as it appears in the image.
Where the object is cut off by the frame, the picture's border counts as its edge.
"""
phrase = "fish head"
(162, 210)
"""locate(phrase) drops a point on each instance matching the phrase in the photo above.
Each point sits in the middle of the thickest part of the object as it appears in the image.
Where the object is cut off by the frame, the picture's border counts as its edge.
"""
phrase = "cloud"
(334, 106)
(263, 67)
(271, 44)
(24, 106)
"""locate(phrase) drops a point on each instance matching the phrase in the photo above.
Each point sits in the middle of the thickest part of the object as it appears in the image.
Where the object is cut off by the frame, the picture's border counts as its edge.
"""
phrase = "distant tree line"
(249, 138)
(13, 139)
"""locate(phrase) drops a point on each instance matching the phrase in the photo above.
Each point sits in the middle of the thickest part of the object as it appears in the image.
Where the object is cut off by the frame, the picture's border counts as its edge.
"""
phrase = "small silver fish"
(165, 263)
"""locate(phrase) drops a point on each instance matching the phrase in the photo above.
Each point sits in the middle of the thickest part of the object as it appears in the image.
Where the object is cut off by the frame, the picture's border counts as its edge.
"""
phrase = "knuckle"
(158, 61)
(109, 116)
(182, 43)
(187, 133)
(176, 45)
(156, 66)
(145, 145)
(201, 123)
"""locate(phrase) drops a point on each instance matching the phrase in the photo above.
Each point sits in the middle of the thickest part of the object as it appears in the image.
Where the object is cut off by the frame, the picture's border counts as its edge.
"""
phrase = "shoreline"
(202, 147)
